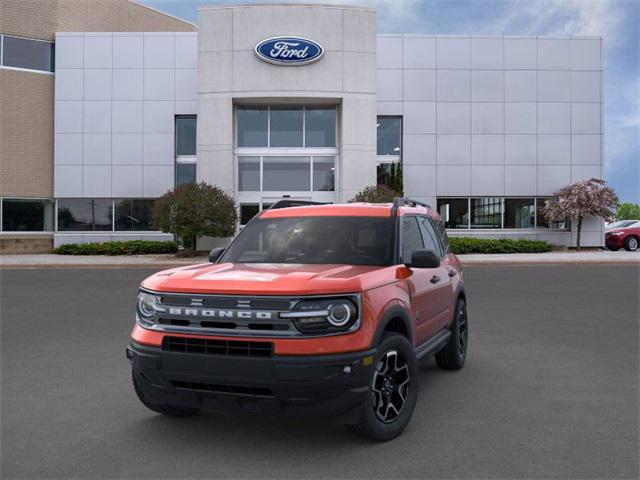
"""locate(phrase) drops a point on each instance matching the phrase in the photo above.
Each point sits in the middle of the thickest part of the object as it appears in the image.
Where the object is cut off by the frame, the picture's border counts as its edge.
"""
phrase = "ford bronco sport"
(311, 310)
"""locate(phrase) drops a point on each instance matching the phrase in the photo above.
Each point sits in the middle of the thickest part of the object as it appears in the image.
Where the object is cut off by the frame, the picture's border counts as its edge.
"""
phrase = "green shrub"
(131, 247)
(461, 245)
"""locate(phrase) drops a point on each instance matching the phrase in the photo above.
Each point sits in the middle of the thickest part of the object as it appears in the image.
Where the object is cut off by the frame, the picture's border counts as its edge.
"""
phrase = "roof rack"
(408, 202)
(286, 203)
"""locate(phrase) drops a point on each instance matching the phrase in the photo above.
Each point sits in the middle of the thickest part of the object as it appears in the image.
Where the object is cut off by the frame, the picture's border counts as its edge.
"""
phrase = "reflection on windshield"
(315, 240)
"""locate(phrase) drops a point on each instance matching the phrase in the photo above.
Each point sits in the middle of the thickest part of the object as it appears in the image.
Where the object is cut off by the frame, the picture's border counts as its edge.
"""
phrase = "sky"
(617, 21)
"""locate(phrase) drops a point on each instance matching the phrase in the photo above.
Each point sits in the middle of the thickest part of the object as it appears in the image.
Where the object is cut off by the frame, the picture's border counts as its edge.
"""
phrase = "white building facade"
(482, 128)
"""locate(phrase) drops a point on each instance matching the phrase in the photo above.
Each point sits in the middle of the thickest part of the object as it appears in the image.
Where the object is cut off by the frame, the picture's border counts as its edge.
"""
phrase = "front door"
(428, 287)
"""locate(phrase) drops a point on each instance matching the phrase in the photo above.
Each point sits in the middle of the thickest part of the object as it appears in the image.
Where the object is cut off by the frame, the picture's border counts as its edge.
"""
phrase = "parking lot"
(550, 390)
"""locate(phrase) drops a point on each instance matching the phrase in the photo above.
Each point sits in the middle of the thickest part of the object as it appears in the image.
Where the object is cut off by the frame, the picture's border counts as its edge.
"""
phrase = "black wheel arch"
(395, 319)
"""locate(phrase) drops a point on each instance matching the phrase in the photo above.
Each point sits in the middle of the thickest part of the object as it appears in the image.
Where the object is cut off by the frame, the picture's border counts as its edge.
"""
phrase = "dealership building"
(120, 103)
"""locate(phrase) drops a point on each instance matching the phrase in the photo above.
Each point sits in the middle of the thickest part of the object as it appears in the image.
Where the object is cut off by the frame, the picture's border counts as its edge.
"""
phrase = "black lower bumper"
(322, 385)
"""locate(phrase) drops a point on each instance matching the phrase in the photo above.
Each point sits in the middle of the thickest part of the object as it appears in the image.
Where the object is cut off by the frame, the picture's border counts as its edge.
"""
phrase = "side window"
(430, 237)
(411, 238)
(442, 232)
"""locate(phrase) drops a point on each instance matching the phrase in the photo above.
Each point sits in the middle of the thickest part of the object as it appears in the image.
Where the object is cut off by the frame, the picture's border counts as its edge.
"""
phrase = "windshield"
(621, 224)
(316, 240)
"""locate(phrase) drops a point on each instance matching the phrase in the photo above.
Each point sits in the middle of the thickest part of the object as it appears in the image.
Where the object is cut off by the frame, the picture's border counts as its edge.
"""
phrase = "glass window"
(389, 131)
(134, 215)
(25, 53)
(248, 211)
(486, 212)
(390, 174)
(320, 127)
(85, 215)
(454, 212)
(286, 173)
(186, 135)
(519, 213)
(249, 174)
(185, 173)
(442, 233)
(253, 124)
(324, 174)
(315, 240)
(26, 215)
(429, 236)
(285, 125)
(411, 238)
(542, 222)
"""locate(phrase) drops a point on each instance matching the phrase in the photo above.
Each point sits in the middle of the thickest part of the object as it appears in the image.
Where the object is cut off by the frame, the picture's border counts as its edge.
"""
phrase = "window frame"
(22, 69)
(268, 146)
(536, 227)
(54, 224)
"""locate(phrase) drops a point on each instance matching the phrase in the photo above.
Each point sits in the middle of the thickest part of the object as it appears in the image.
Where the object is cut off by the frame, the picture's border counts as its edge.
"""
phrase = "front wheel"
(631, 244)
(393, 391)
(454, 354)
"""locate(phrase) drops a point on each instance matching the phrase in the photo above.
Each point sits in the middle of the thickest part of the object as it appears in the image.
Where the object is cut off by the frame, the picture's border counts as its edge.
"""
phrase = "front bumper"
(319, 385)
(615, 241)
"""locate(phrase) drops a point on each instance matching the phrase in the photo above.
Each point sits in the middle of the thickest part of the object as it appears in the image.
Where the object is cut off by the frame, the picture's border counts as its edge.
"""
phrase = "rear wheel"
(170, 410)
(393, 391)
(454, 354)
(631, 244)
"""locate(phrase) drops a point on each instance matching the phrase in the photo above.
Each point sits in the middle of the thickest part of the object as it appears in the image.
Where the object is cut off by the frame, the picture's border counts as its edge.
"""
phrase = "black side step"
(433, 345)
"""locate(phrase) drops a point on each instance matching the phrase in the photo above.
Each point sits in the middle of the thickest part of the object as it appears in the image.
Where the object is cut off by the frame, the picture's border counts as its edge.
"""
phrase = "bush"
(461, 245)
(131, 247)
(376, 194)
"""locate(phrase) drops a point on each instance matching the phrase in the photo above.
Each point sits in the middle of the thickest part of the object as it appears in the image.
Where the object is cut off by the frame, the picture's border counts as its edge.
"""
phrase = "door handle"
(435, 279)
(452, 273)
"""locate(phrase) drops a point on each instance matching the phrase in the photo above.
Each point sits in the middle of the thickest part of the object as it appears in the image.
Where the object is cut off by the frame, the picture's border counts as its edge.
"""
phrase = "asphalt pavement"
(550, 390)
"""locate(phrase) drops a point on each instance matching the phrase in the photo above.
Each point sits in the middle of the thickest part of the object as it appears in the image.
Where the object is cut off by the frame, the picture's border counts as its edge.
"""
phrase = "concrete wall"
(230, 72)
(495, 116)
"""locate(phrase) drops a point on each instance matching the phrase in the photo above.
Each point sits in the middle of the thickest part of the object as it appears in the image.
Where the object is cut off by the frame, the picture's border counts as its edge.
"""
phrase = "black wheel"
(453, 355)
(631, 244)
(170, 410)
(393, 391)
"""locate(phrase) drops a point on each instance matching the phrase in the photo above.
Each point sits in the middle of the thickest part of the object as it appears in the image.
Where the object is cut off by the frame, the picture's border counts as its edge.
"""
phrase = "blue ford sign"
(289, 50)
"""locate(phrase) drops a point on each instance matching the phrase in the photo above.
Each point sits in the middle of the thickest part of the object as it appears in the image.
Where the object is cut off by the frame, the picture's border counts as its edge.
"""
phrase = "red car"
(320, 310)
(626, 237)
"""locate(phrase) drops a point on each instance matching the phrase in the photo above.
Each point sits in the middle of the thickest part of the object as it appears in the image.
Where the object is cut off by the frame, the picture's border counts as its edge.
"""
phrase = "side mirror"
(215, 253)
(424, 259)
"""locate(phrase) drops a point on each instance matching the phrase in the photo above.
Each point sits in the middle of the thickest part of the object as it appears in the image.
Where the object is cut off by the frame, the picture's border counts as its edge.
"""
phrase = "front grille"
(218, 347)
(229, 389)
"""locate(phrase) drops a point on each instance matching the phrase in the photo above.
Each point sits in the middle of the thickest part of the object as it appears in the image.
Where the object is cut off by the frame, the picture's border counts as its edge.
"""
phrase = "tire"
(454, 354)
(631, 243)
(169, 410)
(395, 382)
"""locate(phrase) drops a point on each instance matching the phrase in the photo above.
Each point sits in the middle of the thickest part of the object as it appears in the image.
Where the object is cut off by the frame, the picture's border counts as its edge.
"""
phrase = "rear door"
(424, 284)
(444, 286)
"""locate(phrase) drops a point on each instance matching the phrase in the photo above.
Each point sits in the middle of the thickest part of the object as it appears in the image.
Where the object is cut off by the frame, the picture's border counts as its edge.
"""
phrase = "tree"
(628, 211)
(376, 194)
(194, 210)
(586, 198)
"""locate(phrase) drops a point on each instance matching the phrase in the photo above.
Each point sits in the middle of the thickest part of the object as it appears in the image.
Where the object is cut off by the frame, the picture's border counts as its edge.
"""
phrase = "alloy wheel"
(391, 383)
(633, 244)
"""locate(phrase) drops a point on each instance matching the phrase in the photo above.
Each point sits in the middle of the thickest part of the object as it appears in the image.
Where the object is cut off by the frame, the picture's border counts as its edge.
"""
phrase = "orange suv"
(316, 309)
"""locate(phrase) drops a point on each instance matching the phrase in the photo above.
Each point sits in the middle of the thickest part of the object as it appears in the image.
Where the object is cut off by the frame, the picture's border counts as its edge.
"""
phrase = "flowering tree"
(194, 210)
(586, 198)
(376, 194)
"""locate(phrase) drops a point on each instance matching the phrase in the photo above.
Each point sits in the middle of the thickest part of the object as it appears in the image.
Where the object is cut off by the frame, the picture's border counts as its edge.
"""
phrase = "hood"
(270, 279)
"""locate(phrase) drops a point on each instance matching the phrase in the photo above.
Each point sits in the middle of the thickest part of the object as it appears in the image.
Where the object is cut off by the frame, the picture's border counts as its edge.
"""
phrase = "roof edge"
(137, 2)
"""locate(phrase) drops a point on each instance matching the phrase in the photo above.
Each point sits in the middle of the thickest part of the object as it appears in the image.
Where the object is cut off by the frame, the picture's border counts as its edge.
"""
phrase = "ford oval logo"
(289, 50)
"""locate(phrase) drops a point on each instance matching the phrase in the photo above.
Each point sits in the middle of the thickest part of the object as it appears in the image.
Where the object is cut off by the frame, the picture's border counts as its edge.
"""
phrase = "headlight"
(616, 233)
(323, 315)
(147, 307)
